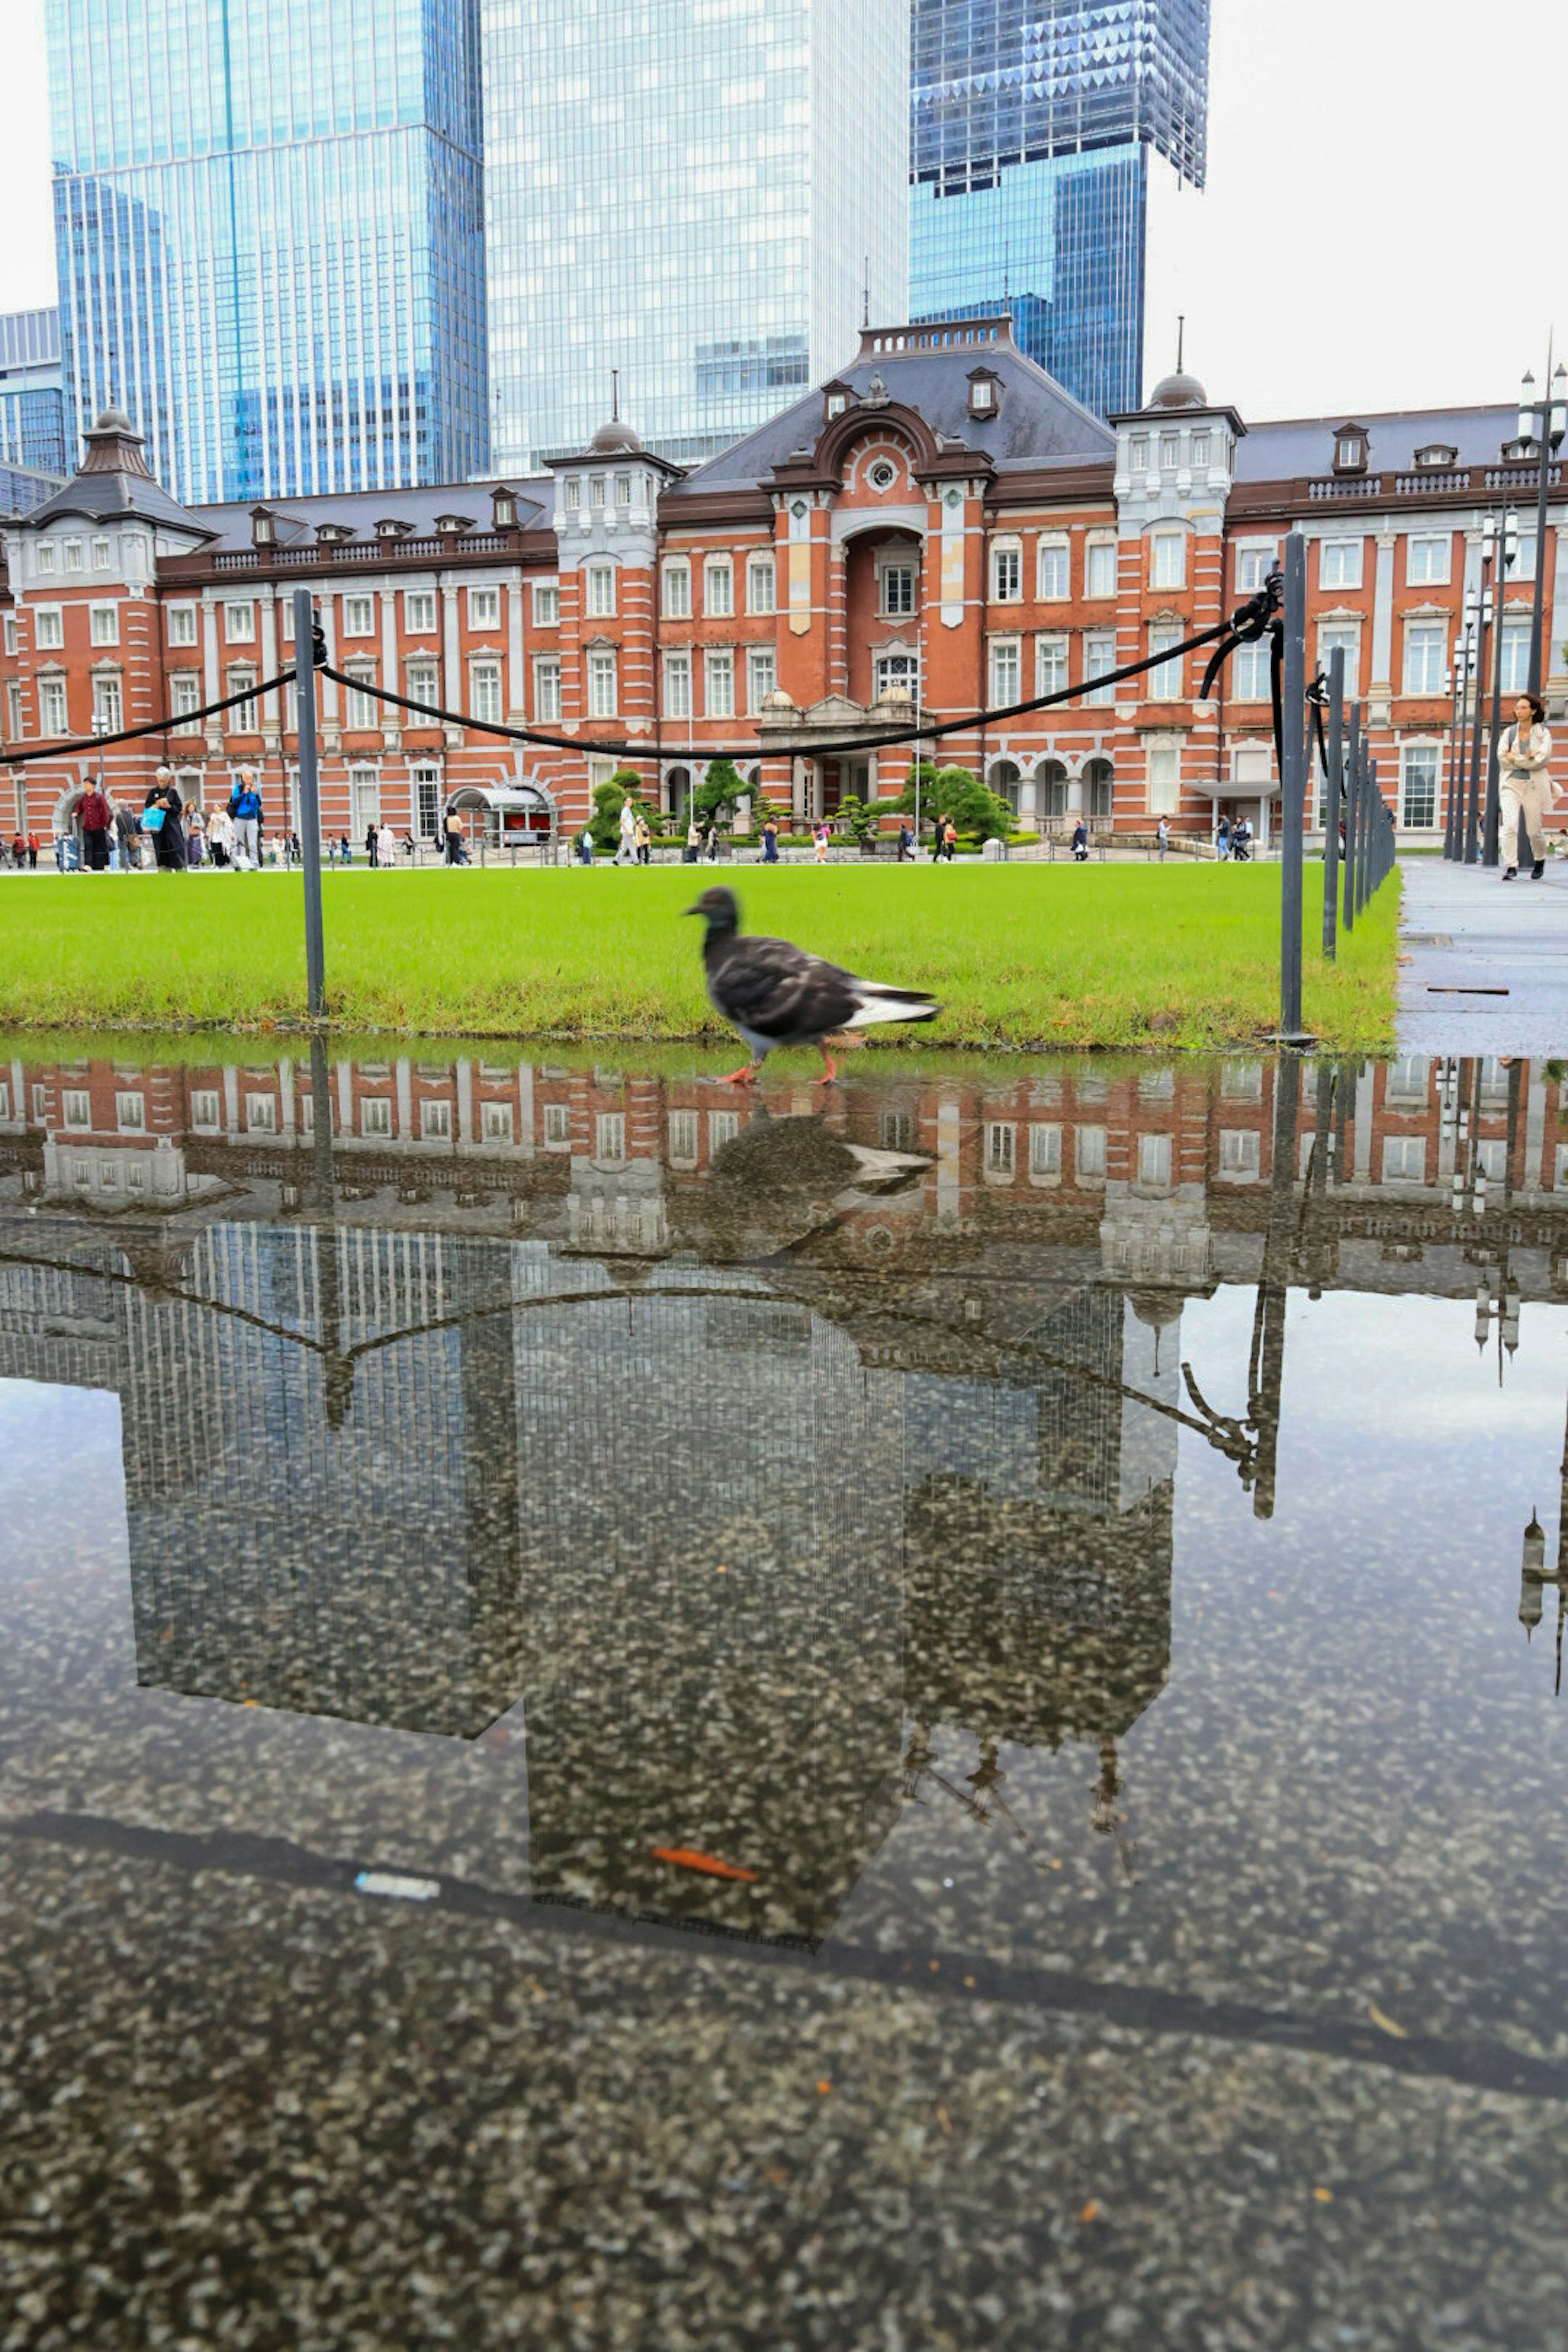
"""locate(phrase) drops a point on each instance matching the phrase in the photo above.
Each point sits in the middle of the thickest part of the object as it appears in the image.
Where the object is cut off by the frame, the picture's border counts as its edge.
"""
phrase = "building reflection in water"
(781, 1469)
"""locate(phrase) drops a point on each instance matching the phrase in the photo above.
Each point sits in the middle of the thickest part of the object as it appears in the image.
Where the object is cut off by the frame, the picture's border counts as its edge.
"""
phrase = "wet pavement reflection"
(1088, 1537)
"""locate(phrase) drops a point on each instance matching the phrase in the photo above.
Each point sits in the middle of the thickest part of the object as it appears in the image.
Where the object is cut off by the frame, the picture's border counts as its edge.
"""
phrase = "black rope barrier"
(172, 724)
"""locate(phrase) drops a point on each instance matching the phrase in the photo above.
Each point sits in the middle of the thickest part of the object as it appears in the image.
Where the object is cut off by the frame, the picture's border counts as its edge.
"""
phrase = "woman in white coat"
(1524, 784)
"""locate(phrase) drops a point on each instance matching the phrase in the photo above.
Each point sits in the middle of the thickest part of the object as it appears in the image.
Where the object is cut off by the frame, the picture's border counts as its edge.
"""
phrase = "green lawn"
(1023, 955)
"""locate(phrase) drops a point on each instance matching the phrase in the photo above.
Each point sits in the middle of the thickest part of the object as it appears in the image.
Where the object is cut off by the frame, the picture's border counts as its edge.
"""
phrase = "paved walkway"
(1484, 964)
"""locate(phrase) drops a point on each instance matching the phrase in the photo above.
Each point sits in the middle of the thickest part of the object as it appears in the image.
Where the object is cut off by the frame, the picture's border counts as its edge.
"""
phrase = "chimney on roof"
(114, 446)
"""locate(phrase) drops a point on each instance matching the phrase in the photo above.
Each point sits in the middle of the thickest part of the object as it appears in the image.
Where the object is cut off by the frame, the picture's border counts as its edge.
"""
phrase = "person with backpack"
(97, 820)
(244, 808)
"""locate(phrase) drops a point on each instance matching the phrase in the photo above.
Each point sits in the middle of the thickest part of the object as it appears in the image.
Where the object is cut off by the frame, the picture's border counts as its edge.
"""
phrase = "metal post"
(1332, 801)
(1371, 802)
(309, 800)
(1538, 614)
(1292, 787)
(1352, 814)
(1489, 844)
(1473, 819)
(1454, 786)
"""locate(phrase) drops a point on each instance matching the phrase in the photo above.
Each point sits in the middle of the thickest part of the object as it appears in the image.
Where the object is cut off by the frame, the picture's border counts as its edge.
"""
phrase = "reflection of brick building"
(941, 516)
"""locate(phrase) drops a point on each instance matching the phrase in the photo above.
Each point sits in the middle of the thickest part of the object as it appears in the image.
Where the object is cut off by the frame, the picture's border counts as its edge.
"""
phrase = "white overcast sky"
(1384, 224)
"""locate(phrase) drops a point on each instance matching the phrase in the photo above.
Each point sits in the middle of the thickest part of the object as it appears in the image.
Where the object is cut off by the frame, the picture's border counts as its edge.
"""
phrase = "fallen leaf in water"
(778, 2175)
(1324, 2195)
(944, 2119)
(686, 1857)
(824, 2087)
(1090, 2211)
(1385, 2024)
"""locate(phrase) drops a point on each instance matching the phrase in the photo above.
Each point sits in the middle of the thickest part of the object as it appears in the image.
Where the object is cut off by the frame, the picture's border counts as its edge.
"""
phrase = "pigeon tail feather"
(879, 1004)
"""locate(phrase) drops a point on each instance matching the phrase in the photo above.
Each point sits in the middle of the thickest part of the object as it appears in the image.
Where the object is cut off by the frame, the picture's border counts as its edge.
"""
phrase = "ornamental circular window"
(882, 476)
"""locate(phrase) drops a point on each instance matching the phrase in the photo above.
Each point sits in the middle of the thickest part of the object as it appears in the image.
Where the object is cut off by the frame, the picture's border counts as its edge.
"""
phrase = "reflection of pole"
(1268, 1316)
(309, 799)
(1318, 1198)
(337, 1367)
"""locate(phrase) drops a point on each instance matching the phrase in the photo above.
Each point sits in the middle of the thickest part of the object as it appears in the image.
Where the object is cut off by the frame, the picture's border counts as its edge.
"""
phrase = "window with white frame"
(677, 685)
(427, 800)
(1165, 684)
(364, 787)
(1099, 657)
(623, 490)
(9, 639)
(546, 604)
(896, 669)
(1138, 453)
(719, 685)
(683, 1139)
(897, 591)
(1050, 665)
(1404, 1160)
(101, 554)
(610, 1135)
(360, 708)
(184, 693)
(376, 1116)
(1007, 572)
(261, 1115)
(484, 608)
(1164, 778)
(547, 689)
(1045, 1152)
(1241, 1081)
(240, 623)
(1426, 558)
(1005, 686)
(573, 497)
(1240, 1152)
(52, 707)
(423, 683)
(601, 592)
(1339, 562)
(719, 587)
(1418, 766)
(761, 583)
(436, 1122)
(602, 692)
(103, 624)
(677, 588)
(1001, 1145)
(723, 1127)
(108, 704)
(1253, 565)
(1249, 672)
(1100, 567)
(1088, 1153)
(131, 1113)
(557, 1126)
(48, 628)
(1409, 1079)
(359, 616)
(205, 1118)
(761, 677)
(419, 612)
(73, 555)
(484, 686)
(181, 624)
(895, 1130)
(1153, 1163)
(14, 723)
(1346, 636)
(44, 556)
(1167, 559)
(1157, 1085)
(1515, 657)
(1524, 562)
(1053, 571)
(1426, 653)
(495, 1123)
(595, 490)
(77, 1106)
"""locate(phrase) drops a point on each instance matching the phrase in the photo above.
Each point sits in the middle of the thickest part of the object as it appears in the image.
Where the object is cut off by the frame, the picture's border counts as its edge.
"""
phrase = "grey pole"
(1372, 805)
(1332, 801)
(1454, 793)
(1353, 815)
(1551, 422)
(1292, 787)
(1490, 844)
(1473, 818)
(309, 800)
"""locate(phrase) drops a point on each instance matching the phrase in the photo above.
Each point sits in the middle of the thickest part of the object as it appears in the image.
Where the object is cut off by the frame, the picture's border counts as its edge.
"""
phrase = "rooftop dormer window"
(389, 527)
(452, 526)
(263, 529)
(504, 510)
(1516, 451)
(1435, 455)
(983, 385)
(332, 534)
(835, 401)
(1350, 450)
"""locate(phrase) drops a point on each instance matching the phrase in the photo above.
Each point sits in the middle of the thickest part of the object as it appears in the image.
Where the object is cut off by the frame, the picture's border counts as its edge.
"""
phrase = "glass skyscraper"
(270, 237)
(32, 428)
(697, 192)
(1031, 123)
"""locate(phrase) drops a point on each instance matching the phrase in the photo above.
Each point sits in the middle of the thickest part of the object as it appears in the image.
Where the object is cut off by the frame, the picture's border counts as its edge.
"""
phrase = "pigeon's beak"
(699, 909)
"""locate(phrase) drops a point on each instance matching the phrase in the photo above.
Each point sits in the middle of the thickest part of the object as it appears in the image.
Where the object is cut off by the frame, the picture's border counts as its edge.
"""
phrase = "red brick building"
(942, 517)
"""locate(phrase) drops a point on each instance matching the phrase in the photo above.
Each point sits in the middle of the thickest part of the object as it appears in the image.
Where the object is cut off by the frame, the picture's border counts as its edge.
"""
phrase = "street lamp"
(1497, 542)
(1478, 621)
(1544, 422)
(1456, 685)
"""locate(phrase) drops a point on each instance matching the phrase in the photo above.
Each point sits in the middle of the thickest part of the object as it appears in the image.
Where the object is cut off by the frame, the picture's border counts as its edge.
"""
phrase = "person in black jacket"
(169, 841)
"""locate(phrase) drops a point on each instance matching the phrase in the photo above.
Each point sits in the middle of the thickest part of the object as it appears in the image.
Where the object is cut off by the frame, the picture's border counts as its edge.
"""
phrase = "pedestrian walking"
(1162, 839)
(195, 836)
(32, 852)
(456, 854)
(220, 836)
(245, 813)
(19, 852)
(386, 847)
(1525, 787)
(97, 820)
(1080, 843)
(60, 852)
(693, 841)
(906, 840)
(585, 846)
(165, 808)
(1222, 839)
(346, 851)
(949, 838)
(770, 840)
(644, 840)
(822, 837)
(1240, 842)
(128, 838)
(373, 846)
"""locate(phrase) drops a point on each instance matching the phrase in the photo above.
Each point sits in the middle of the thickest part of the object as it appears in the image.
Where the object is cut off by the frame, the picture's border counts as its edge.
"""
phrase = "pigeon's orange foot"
(746, 1078)
(830, 1074)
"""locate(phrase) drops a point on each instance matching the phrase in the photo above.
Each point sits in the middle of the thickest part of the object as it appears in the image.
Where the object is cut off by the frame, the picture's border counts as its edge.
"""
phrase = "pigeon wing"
(778, 992)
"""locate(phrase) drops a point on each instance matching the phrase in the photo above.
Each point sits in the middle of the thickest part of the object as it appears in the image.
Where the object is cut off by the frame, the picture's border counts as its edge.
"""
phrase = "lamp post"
(1544, 422)
(1502, 543)
(1477, 620)
(1456, 684)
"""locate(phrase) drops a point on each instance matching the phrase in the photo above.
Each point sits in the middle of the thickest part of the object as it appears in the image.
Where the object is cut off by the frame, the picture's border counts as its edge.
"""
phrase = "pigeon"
(776, 994)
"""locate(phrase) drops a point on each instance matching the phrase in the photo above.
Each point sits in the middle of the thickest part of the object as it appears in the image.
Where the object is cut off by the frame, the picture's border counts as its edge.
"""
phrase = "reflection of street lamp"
(1544, 422)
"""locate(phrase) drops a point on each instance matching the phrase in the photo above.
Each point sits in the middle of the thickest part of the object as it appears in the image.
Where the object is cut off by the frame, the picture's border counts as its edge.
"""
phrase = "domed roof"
(615, 439)
(1178, 391)
(113, 420)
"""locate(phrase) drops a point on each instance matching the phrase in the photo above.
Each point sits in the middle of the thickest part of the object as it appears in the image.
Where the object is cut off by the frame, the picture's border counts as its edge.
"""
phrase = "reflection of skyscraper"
(269, 238)
(1031, 123)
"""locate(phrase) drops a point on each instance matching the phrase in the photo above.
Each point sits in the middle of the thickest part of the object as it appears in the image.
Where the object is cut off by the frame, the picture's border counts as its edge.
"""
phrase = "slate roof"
(105, 497)
(362, 510)
(1302, 446)
(1038, 422)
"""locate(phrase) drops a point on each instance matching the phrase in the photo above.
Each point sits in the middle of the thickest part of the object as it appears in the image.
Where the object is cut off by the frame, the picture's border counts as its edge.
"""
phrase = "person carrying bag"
(1524, 785)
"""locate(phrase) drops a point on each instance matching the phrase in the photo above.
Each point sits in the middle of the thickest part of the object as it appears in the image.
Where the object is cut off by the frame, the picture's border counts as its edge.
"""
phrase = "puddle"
(1066, 1532)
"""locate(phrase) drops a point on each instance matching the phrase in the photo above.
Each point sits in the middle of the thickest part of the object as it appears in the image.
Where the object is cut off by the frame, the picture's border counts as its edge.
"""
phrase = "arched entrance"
(1006, 781)
(509, 816)
(674, 790)
(1050, 791)
(1099, 791)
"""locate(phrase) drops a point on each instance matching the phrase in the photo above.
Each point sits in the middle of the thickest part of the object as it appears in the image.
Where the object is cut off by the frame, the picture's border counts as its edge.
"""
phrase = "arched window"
(676, 790)
(1098, 787)
(1051, 789)
(1006, 782)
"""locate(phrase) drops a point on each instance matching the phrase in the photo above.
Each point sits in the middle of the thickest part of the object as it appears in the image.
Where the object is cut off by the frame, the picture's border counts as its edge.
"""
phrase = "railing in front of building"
(1448, 481)
(369, 551)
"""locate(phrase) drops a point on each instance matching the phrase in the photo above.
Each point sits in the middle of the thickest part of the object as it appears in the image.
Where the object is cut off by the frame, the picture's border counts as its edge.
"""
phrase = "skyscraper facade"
(33, 429)
(269, 237)
(698, 195)
(1031, 123)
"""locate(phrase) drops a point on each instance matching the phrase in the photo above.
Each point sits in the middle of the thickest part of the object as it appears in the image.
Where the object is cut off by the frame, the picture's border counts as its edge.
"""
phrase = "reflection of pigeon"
(776, 994)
